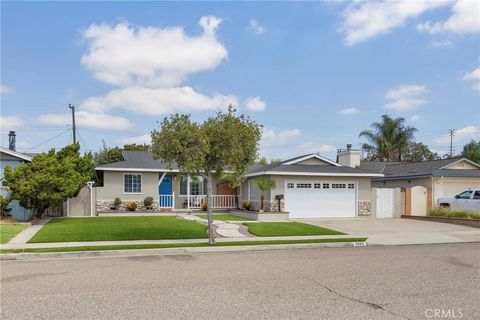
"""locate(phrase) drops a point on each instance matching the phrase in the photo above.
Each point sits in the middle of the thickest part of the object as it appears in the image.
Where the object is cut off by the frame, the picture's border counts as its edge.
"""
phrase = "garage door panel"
(320, 203)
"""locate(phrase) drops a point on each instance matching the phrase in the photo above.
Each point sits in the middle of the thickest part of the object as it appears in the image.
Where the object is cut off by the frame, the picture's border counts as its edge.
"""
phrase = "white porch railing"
(166, 200)
(218, 201)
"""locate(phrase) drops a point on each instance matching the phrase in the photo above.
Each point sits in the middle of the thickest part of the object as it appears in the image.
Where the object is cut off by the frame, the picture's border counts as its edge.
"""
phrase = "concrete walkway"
(28, 233)
(224, 229)
(141, 242)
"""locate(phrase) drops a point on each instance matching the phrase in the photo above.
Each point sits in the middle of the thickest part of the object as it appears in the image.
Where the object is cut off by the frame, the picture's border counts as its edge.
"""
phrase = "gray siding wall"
(403, 183)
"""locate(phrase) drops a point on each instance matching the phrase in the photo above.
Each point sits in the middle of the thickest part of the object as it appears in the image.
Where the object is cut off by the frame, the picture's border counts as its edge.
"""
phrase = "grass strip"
(179, 245)
(280, 229)
(8, 231)
(453, 214)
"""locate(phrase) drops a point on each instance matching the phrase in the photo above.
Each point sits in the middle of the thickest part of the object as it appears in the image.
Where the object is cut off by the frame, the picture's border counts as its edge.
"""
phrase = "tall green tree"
(388, 139)
(264, 185)
(49, 179)
(417, 151)
(471, 151)
(224, 142)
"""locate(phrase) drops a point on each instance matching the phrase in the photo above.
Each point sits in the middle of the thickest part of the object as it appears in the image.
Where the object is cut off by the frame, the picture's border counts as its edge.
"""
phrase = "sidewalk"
(139, 242)
(28, 233)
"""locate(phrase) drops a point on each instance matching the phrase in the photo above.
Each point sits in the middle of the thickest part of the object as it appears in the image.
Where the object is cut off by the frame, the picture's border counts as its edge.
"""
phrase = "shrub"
(247, 205)
(148, 202)
(117, 203)
(4, 202)
(453, 214)
(132, 205)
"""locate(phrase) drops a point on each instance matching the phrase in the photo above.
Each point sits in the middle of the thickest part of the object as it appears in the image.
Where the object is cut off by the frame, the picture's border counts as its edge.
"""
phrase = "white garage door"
(320, 199)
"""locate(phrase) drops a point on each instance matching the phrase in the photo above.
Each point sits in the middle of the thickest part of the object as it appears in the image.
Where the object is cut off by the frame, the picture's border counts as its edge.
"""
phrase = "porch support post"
(188, 192)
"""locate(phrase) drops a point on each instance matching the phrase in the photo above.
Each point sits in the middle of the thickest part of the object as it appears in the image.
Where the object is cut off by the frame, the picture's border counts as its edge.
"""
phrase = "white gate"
(385, 203)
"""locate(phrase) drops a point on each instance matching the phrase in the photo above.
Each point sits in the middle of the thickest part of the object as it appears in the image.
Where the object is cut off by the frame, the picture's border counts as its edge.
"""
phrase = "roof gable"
(19, 156)
(311, 159)
(462, 164)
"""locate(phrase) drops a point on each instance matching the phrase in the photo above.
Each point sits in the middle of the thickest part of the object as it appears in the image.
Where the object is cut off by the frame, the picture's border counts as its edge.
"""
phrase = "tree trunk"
(211, 238)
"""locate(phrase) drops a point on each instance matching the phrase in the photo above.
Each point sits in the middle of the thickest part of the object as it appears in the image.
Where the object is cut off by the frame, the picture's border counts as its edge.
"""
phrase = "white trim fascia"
(137, 169)
(459, 160)
(16, 154)
(319, 174)
(313, 156)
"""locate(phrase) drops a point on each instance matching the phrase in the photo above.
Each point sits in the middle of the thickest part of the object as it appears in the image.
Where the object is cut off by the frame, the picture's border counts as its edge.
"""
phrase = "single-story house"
(9, 157)
(308, 186)
(422, 183)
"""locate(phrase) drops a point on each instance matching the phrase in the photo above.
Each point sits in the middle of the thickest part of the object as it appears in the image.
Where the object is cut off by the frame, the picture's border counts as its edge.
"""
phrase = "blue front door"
(165, 190)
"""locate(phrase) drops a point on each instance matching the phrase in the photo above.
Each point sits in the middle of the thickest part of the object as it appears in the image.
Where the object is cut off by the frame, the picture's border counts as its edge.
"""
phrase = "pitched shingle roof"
(138, 160)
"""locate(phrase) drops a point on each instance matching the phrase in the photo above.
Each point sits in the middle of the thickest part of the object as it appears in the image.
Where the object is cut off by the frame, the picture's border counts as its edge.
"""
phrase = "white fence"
(166, 200)
(385, 204)
(218, 201)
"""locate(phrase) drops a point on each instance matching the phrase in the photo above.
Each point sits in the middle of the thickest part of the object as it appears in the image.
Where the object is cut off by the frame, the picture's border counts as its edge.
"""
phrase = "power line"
(54, 137)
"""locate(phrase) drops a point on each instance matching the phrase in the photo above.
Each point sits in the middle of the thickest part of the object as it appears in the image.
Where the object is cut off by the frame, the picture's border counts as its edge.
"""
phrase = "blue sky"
(314, 74)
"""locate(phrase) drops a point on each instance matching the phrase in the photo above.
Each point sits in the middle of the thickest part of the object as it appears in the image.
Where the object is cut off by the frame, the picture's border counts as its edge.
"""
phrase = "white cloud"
(348, 111)
(406, 97)
(157, 101)
(87, 119)
(10, 122)
(5, 89)
(415, 118)
(465, 19)
(144, 138)
(255, 104)
(270, 137)
(365, 20)
(124, 55)
(474, 76)
(463, 134)
(256, 27)
(443, 44)
(313, 147)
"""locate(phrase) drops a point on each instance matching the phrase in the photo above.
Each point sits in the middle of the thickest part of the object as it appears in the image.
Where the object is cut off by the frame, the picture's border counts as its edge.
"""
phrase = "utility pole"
(452, 131)
(73, 123)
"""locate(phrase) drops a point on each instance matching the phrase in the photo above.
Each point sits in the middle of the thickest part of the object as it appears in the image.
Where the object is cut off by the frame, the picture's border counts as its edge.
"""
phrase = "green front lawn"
(119, 228)
(277, 229)
(8, 231)
(225, 217)
(181, 245)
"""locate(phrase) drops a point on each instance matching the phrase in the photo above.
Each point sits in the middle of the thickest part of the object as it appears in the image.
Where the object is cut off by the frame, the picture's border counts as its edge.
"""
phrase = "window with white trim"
(198, 186)
(326, 186)
(351, 186)
(304, 185)
(317, 185)
(338, 186)
(132, 183)
(290, 185)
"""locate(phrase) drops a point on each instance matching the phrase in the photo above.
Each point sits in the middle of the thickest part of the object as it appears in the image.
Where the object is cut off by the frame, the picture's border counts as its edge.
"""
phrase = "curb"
(173, 251)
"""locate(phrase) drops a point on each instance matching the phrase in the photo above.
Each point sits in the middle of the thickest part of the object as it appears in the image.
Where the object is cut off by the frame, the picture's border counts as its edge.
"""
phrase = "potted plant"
(117, 203)
(132, 205)
(148, 202)
(264, 185)
(247, 205)
(203, 206)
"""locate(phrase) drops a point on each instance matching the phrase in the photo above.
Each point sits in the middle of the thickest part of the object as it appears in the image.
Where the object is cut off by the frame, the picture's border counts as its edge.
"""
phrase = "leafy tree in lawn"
(49, 179)
(224, 142)
(264, 185)
(418, 151)
(389, 139)
(471, 151)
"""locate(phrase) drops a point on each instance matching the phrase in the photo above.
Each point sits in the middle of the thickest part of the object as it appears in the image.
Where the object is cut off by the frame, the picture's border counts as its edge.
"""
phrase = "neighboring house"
(13, 159)
(422, 183)
(311, 185)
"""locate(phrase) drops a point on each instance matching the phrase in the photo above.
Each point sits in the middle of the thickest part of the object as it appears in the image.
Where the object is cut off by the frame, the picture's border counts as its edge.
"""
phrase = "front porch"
(168, 201)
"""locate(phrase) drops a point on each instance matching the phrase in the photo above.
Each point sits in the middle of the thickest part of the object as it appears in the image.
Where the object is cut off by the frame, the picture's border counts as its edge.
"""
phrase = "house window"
(290, 185)
(338, 185)
(326, 186)
(304, 185)
(198, 186)
(351, 186)
(253, 191)
(317, 185)
(132, 183)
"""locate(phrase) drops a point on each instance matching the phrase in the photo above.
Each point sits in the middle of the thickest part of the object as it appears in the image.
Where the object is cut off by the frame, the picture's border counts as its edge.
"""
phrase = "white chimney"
(349, 157)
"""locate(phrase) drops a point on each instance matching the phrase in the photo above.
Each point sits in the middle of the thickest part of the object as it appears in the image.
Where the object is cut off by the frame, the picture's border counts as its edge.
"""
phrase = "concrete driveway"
(400, 231)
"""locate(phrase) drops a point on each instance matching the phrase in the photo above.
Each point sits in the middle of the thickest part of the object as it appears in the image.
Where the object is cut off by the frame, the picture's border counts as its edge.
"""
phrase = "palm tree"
(389, 138)
(264, 185)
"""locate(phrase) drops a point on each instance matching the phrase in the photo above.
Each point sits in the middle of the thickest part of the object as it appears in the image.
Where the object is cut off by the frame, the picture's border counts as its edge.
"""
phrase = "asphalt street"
(394, 282)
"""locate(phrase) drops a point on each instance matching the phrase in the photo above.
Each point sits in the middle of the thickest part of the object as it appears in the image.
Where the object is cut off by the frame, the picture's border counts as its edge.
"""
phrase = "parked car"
(468, 200)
